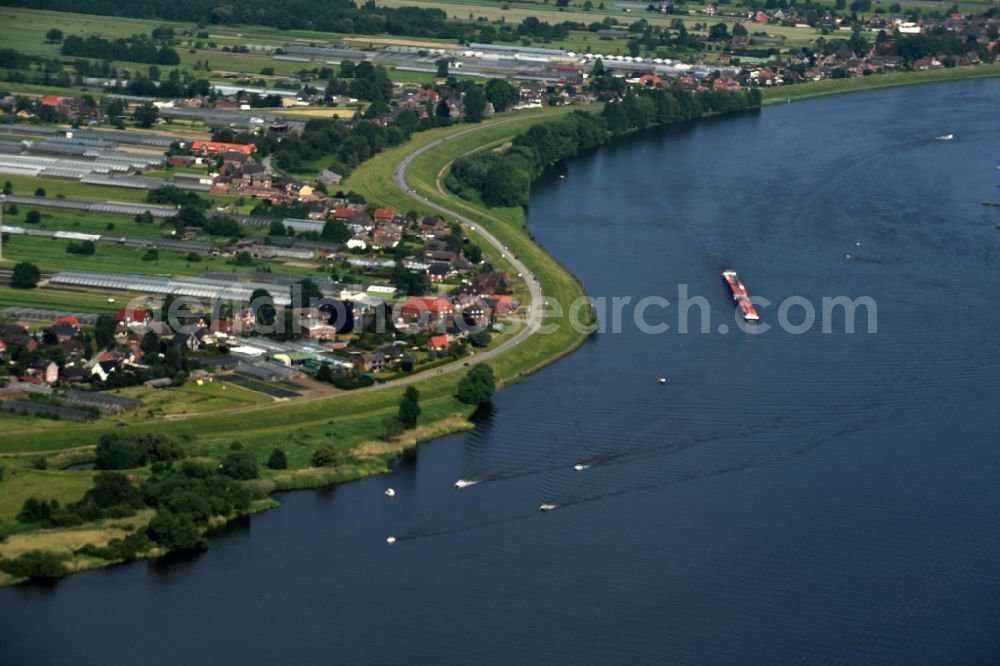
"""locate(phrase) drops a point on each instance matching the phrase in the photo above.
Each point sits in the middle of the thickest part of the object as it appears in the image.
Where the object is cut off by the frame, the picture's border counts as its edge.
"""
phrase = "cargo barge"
(740, 295)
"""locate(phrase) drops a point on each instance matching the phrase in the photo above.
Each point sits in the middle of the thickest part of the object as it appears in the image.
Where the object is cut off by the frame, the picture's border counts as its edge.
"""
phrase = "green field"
(50, 255)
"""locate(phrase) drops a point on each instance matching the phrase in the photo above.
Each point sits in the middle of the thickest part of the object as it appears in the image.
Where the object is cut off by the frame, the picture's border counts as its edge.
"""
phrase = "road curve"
(536, 307)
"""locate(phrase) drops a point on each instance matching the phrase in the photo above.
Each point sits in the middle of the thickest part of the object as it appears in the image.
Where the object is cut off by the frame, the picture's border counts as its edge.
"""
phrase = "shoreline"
(434, 195)
(829, 87)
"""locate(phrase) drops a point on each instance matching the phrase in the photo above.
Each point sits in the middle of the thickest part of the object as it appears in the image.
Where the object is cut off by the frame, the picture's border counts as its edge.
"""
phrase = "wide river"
(812, 497)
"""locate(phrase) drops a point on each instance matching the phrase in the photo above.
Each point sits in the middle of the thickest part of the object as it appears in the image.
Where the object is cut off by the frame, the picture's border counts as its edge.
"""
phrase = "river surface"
(814, 497)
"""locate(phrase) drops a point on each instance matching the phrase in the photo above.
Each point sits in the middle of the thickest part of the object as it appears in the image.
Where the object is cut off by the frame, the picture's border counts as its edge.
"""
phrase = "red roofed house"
(761, 17)
(51, 100)
(343, 213)
(416, 305)
(68, 320)
(503, 305)
(427, 313)
(217, 147)
(384, 215)
(650, 80)
(438, 342)
(129, 317)
(725, 84)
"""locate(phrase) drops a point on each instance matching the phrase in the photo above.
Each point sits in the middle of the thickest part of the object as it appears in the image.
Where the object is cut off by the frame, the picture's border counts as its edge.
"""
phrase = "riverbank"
(344, 420)
(826, 87)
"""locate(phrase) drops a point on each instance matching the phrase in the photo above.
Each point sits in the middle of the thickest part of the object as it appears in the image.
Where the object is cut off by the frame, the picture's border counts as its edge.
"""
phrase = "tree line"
(138, 48)
(505, 178)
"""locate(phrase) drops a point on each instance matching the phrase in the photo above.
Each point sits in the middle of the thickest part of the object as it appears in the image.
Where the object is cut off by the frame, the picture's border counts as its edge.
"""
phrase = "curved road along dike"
(535, 309)
(537, 305)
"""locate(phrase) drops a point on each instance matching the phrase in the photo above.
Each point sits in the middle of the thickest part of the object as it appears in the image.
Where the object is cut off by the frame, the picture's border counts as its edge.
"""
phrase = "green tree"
(501, 94)
(240, 465)
(442, 67)
(391, 428)
(176, 531)
(409, 408)
(113, 489)
(117, 452)
(277, 229)
(25, 276)
(718, 32)
(263, 306)
(36, 564)
(324, 456)
(33, 217)
(150, 345)
(146, 115)
(480, 339)
(36, 511)
(104, 331)
(477, 386)
(53, 35)
(277, 460)
(115, 108)
(475, 104)
(308, 291)
(336, 231)
(152, 254)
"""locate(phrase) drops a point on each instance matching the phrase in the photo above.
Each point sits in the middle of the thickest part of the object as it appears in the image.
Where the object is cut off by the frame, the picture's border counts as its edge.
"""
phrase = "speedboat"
(945, 137)
(580, 467)
(389, 492)
(391, 540)
(548, 507)
(465, 483)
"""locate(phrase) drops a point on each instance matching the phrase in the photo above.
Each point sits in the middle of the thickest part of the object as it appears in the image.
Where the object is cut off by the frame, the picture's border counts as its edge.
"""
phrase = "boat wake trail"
(415, 535)
(573, 499)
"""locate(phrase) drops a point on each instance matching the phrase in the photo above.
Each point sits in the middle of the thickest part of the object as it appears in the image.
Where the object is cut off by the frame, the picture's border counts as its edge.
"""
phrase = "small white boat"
(945, 137)
(548, 507)
(662, 380)
(389, 492)
(391, 540)
(465, 483)
(857, 244)
(581, 467)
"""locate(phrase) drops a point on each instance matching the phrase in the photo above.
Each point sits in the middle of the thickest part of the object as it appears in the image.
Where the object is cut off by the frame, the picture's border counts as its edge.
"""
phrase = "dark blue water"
(816, 498)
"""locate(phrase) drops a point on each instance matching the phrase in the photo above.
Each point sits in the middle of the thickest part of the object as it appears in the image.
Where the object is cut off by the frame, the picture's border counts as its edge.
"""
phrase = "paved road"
(535, 308)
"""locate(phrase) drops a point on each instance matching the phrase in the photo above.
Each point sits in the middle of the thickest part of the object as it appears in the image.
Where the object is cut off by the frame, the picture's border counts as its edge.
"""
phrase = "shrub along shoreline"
(505, 178)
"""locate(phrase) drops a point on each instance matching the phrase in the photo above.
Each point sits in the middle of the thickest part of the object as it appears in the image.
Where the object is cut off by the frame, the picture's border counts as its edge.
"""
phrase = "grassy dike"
(783, 94)
(346, 421)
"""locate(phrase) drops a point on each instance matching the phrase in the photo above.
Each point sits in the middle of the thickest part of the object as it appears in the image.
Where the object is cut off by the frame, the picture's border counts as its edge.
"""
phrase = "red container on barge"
(740, 295)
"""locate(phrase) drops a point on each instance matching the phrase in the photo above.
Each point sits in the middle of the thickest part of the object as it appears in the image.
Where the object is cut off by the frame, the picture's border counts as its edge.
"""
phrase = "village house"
(44, 370)
(219, 147)
(437, 343)
(433, 228)
(128, 318)
(14, 335)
